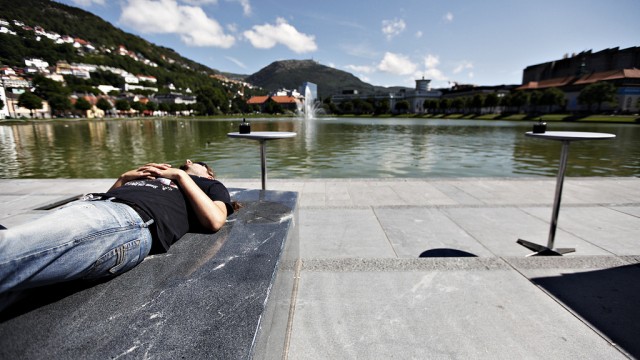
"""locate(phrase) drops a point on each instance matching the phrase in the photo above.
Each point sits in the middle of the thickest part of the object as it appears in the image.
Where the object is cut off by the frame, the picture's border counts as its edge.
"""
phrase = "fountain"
(309, 108)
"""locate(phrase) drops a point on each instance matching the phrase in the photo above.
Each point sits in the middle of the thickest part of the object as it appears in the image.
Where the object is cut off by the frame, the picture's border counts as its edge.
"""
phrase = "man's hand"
(147, 172)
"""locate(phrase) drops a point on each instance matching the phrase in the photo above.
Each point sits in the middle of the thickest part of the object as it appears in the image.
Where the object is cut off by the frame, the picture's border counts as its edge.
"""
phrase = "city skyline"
(380, 42)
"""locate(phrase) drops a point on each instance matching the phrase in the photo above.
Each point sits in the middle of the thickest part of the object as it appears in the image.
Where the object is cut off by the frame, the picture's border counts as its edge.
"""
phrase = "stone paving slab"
(473, 313)
(364, 292)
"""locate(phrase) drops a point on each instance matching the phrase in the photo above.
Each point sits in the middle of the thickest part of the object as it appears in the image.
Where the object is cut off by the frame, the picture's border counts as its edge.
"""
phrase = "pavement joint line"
(386, 236)
(568, 309)
(472, 206)
(466, 263)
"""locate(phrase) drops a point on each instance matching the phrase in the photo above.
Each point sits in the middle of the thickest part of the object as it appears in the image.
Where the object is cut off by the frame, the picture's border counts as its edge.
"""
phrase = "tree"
(534, 99)
(164, 107)
(213, 100)
(552, 97)
(59, 104)
(445, 105)
(519, 99)
(477, 102)
(366, 107)
(138, 106)
(82, 105)
(30, 101)
(151, 107)
(402, 106)
(346, 107)
(458, 104)
(47, 88)
(104, 105)
(123, 105)
(430, 105)
(382, 107)
(491, 101)
(597, 93)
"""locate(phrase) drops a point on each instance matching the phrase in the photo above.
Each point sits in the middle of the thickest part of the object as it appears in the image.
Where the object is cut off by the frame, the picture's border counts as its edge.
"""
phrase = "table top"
(263, 135)
(571, 135)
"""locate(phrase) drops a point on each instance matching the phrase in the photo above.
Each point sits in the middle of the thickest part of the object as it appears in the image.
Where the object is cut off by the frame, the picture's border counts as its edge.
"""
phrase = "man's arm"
(211, 214)
(135, 174)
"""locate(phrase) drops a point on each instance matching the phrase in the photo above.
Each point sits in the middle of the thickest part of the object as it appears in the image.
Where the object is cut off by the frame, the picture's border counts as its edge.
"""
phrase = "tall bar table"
(262, 137)
(566, 137)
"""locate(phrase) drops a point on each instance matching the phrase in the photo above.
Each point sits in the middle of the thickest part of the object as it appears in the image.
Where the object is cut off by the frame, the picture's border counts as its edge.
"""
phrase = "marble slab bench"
(224, 296)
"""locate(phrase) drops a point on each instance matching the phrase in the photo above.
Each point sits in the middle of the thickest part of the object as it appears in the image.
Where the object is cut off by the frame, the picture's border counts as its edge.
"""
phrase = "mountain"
(291, 74)
(75, 22)
(168, 67)
(36, 22)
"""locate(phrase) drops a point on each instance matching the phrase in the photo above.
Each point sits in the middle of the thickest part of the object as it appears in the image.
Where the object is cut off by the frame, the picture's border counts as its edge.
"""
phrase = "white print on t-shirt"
(165, 184)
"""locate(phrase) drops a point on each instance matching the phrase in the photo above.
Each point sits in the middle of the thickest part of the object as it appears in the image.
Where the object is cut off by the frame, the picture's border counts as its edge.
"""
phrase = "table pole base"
(540, 250)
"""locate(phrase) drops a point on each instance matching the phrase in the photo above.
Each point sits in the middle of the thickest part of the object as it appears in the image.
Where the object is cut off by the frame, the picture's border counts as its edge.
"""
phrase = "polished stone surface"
(225, 295)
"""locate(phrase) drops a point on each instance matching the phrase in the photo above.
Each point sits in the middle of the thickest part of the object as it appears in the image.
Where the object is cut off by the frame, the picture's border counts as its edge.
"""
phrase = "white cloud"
(360, 50)
(232, 27)
(448, 17)
(87, 3)
(435, 75)
(199, 2)
(419, 34)
(361, 68)
(393, 27)
(462, 66)
(191, 23)
(236, 61)
(267, 36)
(246, 6)
(431, 61)
(397, 64)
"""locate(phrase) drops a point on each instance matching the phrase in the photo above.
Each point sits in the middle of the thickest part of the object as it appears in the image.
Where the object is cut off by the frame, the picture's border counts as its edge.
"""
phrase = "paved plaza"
(376, 281)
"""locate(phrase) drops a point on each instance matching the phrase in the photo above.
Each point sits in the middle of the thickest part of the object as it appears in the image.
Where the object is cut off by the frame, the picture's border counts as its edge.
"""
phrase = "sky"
(382, 42)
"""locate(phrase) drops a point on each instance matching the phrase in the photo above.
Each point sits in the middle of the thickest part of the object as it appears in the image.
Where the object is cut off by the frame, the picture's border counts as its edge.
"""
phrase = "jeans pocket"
(116, 261)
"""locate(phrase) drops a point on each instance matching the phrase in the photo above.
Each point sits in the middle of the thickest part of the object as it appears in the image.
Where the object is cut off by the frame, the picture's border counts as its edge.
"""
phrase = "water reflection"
(324, 148)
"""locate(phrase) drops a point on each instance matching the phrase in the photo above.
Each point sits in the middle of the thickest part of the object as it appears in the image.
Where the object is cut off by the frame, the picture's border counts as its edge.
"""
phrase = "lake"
(323, 148)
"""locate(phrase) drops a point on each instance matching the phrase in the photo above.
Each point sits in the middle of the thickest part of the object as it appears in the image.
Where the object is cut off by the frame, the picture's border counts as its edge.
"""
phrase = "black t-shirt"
(164, 201)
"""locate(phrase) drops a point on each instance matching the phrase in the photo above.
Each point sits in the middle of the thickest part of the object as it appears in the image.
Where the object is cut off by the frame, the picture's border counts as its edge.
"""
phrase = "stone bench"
(225, 296)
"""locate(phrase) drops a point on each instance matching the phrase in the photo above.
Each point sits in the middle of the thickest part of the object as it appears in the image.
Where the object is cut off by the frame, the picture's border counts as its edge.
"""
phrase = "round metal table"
(262, 137)
(566, 137)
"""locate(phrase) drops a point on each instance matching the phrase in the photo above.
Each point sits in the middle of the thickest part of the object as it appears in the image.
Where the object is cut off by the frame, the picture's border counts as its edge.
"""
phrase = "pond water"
(323, 148)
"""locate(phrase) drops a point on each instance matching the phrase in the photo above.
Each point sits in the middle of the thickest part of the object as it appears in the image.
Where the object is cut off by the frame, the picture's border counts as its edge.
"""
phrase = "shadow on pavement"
(444, 252)
(608, 299)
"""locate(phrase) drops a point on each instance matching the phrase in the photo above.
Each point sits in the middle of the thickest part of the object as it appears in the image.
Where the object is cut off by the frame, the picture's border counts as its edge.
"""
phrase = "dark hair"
(209, 169)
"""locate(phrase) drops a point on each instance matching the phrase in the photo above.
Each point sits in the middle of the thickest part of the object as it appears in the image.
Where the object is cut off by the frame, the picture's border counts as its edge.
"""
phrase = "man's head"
(198, 169)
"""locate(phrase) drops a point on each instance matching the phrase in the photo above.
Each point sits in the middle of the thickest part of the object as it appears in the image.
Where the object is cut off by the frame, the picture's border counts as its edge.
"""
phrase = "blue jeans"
(81, 240)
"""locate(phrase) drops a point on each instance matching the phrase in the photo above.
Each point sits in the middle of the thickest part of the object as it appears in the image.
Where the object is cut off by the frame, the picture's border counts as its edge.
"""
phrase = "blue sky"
(386, 43)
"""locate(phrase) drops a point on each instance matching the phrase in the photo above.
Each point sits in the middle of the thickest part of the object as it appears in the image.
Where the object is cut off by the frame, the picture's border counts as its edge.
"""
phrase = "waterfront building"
(574, 72)
(415, 97)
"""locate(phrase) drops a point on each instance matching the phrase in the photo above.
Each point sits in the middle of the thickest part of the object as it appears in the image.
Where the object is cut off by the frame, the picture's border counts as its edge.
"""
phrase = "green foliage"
(211, 101)
(59, 103)
(552, 97)
(104, 104)
(491, 101)
(477, 102)
(402, 106)
(123, 105)
(519, 99)
(82, 104)
(67, 20)
(597, 93)
(30, 101)
(47, 88)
